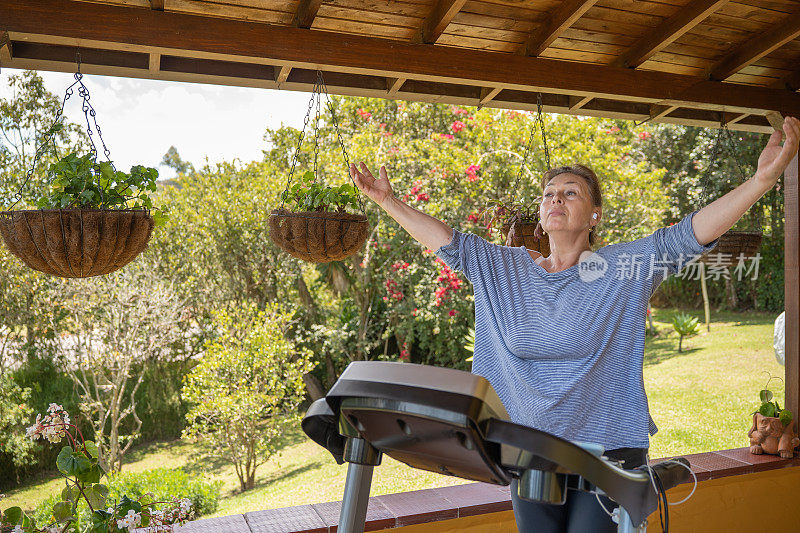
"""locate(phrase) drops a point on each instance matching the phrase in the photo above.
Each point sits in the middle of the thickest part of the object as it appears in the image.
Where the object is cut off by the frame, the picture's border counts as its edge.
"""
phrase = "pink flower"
(404, 355)
(644, 135)
(446, 136)
(457, 126)
(423, 197)
(459, 111)
(473, 217)
(472, 172)
(452, 312)
(363, 113)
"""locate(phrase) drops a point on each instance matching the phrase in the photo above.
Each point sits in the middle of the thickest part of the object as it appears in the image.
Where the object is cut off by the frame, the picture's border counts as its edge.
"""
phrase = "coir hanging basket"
(731, 245)
(319, 237)
(76, 243)
(523, 235)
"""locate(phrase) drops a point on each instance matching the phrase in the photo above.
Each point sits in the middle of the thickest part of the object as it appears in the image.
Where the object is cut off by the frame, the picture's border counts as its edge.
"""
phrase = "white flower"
(54, 407)
(17, 529)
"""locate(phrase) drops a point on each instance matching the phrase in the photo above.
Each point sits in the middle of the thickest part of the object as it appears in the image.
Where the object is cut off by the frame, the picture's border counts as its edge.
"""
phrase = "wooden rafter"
(393, 85)
(306, 13)
(659, 38)
(437, 21)
(282, 74)
(487, 95)
(756, 48)
(660, 111)
(199, 49)
(5, 47)
(577, 102)
(157, 5)
(562, 18)
(790, 82)
(154, 62)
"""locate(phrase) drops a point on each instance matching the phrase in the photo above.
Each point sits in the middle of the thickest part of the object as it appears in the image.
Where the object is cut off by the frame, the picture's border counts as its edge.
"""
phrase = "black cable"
(663, 495)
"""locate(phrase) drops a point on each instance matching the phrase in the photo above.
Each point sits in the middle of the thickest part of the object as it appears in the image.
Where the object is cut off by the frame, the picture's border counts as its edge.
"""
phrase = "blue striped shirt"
(564, 350)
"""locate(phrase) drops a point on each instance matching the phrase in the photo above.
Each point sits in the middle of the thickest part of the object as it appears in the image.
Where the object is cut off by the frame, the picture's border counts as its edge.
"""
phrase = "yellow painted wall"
(766, 502)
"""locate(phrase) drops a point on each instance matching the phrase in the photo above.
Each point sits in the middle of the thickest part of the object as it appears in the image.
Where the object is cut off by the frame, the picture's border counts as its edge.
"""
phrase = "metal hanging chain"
(539, 120)
(316, 139)
(723, 131)
(91, 118)
(339, 137)
(300, 141)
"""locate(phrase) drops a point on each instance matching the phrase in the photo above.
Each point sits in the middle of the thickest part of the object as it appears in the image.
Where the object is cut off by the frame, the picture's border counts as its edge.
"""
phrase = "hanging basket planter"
(93, 219)
(76, 243)
(731, 245)
(523, 234)
(318, 228)
(319, 236)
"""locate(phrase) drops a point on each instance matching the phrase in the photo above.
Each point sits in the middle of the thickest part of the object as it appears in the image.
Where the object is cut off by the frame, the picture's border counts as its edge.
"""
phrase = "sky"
(141, 119)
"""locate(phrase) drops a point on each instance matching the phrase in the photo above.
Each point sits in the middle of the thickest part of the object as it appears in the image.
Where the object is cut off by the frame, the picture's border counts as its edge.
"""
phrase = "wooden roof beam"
(139, 32)
(487, 95)
(790, 82)
(562, 18)
(5, 47)
(393, 85)
(668, 31)
(756, 48)
(577, 102)
(157, 5)
(282, 74)
(437, 21)
(306, 13)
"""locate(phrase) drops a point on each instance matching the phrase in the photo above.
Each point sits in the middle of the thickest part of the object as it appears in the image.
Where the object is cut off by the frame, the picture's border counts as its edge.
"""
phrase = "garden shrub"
(163, 483)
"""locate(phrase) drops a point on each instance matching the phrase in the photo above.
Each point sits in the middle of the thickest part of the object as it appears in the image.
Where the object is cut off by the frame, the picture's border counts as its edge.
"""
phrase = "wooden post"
(706, 304)
(791, 198)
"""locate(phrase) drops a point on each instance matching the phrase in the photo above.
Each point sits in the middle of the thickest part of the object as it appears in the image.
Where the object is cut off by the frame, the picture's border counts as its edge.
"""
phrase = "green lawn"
(701, 400)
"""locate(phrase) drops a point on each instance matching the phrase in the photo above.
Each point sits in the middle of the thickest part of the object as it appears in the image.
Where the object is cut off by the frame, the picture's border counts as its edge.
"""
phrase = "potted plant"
(92, 219)
(773, 429)
(316, 226)
(518, 223)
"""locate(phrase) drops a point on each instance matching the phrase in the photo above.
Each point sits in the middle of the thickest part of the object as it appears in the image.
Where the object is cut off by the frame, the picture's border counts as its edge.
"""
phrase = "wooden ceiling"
(690, 62)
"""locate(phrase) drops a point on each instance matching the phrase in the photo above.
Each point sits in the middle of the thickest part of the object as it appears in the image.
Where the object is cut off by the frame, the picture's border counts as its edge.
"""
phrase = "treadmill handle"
(670, 473)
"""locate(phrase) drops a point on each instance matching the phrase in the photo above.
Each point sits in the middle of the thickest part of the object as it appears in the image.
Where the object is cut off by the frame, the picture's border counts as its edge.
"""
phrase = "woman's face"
(567, 205)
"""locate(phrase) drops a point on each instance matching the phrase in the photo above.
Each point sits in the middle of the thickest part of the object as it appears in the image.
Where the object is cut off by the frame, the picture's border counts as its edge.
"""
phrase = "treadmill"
(452, 422)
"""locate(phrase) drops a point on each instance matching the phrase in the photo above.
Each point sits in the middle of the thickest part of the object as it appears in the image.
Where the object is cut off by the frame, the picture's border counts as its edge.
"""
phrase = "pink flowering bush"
(78, 463)
(457, 126)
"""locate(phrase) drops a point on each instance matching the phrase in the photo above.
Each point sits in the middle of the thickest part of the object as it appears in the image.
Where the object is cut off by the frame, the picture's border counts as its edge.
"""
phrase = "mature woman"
(561, 338)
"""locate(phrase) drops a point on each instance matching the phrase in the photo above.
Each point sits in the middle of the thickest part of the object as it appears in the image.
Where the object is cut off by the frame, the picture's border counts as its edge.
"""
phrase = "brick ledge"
(429, 505)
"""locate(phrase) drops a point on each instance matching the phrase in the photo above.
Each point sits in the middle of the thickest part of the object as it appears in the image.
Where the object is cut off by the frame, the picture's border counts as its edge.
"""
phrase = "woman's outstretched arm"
(720, 215)
(427, 230)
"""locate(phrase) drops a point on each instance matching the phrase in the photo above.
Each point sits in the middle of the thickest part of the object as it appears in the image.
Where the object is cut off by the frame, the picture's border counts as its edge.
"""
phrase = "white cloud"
(141, 119)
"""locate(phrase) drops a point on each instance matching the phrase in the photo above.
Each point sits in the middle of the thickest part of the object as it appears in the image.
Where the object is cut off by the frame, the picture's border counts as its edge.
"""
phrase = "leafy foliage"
(309, 195)
(769, 405)
(686, 325)
(81, 182)
(246, 389)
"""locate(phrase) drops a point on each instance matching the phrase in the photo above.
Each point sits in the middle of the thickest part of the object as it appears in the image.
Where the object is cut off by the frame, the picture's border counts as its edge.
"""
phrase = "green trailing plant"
(79, 181)
(498, 213)
(309, 195)
(769, 405)
(78, 463)
(685, 325)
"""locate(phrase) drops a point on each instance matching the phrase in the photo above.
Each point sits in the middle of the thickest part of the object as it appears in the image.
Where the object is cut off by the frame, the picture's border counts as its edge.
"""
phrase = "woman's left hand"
(775, 158)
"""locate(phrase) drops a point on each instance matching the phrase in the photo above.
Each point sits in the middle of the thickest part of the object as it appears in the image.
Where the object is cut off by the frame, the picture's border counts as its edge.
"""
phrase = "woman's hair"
(591, 180)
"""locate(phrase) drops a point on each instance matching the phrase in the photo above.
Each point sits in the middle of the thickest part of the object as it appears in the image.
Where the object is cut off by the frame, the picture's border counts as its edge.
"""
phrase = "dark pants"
(581, 513)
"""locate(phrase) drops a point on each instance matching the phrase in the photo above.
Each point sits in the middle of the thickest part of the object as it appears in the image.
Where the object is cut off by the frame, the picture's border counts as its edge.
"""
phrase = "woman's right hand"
(378, 190)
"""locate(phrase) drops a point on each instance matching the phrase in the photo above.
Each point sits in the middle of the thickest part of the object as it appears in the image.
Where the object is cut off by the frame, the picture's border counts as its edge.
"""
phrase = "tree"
(246, 389)
(173, 160)
(119, 323)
